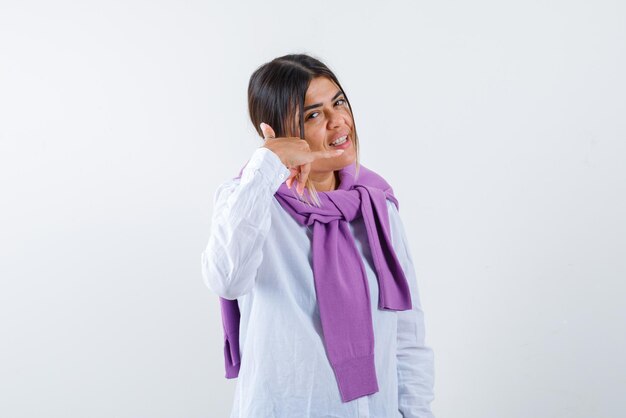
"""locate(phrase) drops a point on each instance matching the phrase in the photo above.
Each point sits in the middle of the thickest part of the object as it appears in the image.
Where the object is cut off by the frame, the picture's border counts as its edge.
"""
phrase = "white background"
(500, 124)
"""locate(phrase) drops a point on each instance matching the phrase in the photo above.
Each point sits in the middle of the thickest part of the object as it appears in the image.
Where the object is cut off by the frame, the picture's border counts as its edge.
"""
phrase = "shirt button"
(282, 176)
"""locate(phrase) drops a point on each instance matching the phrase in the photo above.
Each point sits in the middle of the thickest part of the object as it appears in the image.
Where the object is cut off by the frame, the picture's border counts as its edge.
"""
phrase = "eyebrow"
(339, 93)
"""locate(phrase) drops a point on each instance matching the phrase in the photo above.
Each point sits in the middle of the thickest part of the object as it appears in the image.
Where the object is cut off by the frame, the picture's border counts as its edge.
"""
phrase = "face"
(327, 117)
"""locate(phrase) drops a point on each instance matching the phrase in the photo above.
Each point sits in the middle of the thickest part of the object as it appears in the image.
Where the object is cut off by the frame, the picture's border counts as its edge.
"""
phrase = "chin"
(344, 162)
(348, 157)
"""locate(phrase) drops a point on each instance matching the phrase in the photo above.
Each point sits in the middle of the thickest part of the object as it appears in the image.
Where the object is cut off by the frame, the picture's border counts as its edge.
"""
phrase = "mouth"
(340, 141)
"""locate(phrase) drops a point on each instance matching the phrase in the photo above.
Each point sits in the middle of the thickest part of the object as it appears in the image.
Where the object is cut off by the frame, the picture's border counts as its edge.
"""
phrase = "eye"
(313, 113)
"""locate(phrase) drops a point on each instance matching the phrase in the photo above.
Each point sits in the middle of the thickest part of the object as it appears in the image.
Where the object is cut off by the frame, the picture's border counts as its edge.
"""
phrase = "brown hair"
(276, 93)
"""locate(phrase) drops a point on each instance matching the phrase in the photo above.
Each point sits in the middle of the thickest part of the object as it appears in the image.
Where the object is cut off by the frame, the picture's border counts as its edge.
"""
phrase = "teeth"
(340, 140)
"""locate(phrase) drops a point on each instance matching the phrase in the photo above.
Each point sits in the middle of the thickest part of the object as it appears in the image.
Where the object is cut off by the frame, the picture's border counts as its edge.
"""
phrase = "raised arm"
(240, 223)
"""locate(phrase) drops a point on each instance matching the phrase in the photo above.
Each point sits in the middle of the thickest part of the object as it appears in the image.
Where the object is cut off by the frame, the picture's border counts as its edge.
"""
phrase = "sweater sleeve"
(239, 225)
(415, 360)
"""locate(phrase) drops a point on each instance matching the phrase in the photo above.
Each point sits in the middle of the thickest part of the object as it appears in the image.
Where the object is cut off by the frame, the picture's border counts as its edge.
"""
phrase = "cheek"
(346, 113)
(315, 138)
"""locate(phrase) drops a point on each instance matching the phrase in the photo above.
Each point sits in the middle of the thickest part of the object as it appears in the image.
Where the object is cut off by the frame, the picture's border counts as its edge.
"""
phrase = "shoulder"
(371, 178)
(394, 213)
(397, 230)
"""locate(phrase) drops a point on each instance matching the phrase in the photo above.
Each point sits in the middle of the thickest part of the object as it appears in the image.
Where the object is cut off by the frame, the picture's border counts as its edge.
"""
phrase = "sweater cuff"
(356, 378)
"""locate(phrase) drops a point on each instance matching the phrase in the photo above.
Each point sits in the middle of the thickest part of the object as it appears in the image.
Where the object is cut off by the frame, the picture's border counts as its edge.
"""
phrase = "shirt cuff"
(269, 167)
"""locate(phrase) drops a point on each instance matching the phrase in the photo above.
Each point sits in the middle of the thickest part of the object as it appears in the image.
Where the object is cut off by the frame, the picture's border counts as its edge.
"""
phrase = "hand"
(295, 154)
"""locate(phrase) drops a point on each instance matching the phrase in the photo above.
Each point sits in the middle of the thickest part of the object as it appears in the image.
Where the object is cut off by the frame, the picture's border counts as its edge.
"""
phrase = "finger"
(296, 180)
(295, 175)
(291, 178)
(327, 154)
(304, 175)
(267, 130)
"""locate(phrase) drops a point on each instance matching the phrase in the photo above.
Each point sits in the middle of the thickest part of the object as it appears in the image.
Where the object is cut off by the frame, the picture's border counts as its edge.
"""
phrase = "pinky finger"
(291, 178)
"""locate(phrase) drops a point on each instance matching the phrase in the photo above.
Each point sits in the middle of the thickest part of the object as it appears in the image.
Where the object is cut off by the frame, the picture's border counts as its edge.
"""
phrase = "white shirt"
(258, 254)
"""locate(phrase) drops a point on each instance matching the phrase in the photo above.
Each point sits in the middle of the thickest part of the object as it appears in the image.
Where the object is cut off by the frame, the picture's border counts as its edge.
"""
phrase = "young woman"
(309, 256)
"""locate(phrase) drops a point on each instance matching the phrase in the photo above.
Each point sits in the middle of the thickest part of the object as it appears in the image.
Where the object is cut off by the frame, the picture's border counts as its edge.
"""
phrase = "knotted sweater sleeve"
(415, 359)
(239, 225)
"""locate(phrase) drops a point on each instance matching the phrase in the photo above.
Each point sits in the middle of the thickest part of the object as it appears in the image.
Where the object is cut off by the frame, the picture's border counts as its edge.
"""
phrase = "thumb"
(267, 131)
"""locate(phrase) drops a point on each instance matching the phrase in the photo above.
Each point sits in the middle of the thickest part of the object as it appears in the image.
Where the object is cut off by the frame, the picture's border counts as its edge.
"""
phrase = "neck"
(325, 182)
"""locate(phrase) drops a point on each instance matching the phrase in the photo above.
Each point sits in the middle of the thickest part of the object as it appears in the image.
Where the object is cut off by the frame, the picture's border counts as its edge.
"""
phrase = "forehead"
(320, 89)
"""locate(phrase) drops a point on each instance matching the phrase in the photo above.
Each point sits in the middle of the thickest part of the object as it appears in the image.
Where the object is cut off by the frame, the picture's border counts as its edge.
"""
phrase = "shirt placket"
(363, 407)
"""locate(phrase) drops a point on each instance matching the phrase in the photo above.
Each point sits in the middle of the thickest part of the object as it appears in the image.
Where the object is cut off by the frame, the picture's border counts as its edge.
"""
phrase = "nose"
(336, 120)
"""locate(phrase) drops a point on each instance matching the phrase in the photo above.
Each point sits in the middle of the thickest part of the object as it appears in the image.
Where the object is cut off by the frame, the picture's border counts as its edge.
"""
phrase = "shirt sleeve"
(415, 359)
(239, 225)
